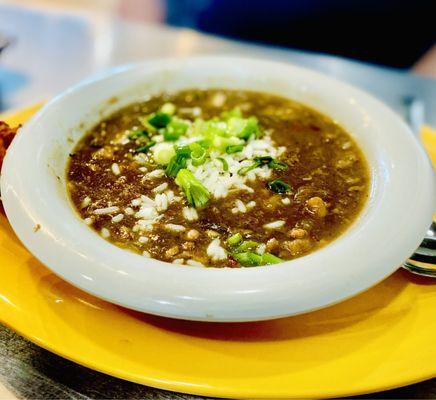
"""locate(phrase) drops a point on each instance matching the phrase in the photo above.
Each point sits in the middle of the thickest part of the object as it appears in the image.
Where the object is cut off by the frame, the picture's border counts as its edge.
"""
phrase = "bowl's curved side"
(390, 228)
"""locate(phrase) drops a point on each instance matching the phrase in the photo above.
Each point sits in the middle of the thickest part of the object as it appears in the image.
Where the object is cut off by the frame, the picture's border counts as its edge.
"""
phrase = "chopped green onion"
(144, 122)
(248, 259)
(137, 133)
(278, 186)
(198, 154)
(243, 128)
(213, 128)
(264, 160)
(196, 194)
(224, 162)
(244, 170)
(163, 153)
(268, 258)
(168, 108)
(234, 149)
(246, 246)
(175, 129)
(251, 128)
(145, 148)
(159, 120)
(234, 239)
(272, 163)
(183, 150)
(222, 142)
(176, 163)
(278, 165)
(235, 113)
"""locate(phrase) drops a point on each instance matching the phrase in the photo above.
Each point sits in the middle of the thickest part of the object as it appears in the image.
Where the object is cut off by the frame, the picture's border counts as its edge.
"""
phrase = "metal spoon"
(423, 261)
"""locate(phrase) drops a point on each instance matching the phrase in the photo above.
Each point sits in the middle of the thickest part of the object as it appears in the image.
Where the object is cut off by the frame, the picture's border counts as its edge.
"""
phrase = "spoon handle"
(423, 261)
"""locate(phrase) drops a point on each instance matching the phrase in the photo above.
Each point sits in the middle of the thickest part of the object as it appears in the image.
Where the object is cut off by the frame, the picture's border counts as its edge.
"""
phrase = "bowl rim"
(245, 294)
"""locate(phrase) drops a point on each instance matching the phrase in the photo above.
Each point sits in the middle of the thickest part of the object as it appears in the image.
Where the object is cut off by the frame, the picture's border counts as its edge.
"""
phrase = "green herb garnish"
(137, 133)
(268, 258)
(264, 160)
(249, 259)
(224, 162)
(278, 186)
(175, 129)
(244, 170)
(145, 148)
(278, 165)
(183, 150)
(243, 128)
(234, 239)
(272, 163)
(198, 154)
(247, 245)
(159, 119)
(176, 163)
(196, 194)
(234, 113)
(234, 149)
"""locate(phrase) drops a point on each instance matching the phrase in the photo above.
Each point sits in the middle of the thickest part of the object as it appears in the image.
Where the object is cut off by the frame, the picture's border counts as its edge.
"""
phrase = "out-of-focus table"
(52, 50)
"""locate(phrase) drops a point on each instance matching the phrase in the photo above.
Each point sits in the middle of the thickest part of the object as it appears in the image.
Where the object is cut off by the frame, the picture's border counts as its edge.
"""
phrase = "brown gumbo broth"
(120, 189)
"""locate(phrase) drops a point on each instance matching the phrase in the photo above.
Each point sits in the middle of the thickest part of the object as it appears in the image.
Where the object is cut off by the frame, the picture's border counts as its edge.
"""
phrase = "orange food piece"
(7, 134)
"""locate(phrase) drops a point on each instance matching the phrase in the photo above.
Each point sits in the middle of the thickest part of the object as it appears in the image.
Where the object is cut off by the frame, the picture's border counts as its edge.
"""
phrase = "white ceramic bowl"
(391, 226)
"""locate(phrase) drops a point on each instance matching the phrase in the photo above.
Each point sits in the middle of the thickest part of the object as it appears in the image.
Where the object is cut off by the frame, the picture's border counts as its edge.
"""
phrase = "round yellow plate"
(380, 339)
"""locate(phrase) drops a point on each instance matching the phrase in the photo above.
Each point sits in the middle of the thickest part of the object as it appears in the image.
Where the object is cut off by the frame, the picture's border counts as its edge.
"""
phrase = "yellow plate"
(380, 339)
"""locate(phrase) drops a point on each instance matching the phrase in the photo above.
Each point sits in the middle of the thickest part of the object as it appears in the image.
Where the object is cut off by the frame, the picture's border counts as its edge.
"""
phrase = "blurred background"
(51, 44)
(390, 32)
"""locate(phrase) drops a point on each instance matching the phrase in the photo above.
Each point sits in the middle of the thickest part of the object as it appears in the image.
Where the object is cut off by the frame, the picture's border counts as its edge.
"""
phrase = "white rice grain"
(175, 227)
(240, 206)
(215, 251)
(146, 213)
(129, 211)
(118, 218)
(170, 195)
(105, 233)
(157, 173)
(160, 188)
(86, 202)
(190, 213)
(143, 239)
(219, 99)
(116, 169)
(286, 201)
(106, 210)
(194, 263)
(161, 202)
(274, 225)
(261, 249)
(196, 111)
(251, 204)
(146, 200)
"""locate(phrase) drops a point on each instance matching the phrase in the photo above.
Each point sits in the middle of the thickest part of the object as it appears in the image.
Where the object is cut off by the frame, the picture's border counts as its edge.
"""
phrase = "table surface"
(52, 50)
